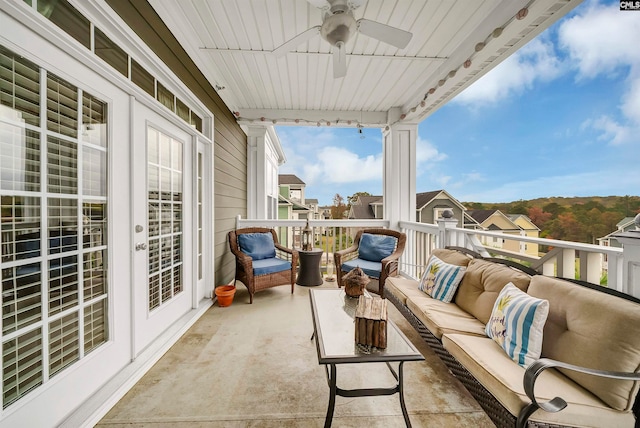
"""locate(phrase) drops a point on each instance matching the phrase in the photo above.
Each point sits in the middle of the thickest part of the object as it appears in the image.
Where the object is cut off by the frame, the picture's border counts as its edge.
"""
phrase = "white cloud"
(610, 130)
(534, 62)
(601, 39)
(338, 165)
(427, 153)
(598, 43)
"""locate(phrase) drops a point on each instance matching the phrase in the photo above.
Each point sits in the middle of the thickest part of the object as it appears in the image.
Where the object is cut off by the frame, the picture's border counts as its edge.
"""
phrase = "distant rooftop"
(289, 179)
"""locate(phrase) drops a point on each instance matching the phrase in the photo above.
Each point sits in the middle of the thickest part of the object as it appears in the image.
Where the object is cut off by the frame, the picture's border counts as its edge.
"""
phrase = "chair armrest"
(556, 404)
(285, 249)
(345, 255)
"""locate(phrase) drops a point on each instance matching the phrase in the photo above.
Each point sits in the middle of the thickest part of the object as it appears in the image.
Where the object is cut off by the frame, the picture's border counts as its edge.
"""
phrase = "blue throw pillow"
(374, 248)
(258, 246)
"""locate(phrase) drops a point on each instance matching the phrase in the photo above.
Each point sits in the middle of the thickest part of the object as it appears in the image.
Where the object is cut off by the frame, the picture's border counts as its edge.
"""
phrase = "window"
(111, 53)
(65, 16)
(164, 217)
(54, 243)
(142, 78)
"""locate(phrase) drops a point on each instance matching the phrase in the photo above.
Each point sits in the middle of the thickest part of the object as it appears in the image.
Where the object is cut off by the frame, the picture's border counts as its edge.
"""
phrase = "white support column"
(399, 173)
(256, 163)
(631, 259)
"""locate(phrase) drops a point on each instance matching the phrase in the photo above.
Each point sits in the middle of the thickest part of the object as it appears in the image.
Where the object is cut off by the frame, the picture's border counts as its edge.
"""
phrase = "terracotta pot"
(225, 294)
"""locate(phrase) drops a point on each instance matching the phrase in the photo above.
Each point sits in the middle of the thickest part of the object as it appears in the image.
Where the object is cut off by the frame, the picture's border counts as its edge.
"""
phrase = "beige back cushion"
(452, 257)
(591, 329)
(481, 285)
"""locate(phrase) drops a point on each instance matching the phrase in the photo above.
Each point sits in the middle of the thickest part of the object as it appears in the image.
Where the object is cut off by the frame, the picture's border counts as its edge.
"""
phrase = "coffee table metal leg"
(332, 397)
(401, 392)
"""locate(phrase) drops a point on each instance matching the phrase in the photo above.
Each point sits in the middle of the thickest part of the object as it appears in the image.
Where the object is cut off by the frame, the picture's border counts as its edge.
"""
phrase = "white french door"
(162, 213)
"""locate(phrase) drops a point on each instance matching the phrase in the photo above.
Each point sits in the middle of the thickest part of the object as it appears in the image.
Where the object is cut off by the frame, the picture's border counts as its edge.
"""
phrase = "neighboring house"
(496, 221)
(292, 186)
(312, 204)
(624, 225)
(325, 212)
(366, 208)
(530, 230)
(429, 207)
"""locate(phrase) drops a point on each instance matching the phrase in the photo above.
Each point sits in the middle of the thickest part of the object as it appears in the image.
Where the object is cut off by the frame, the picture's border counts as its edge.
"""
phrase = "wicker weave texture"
(244, 264)
(491, 406)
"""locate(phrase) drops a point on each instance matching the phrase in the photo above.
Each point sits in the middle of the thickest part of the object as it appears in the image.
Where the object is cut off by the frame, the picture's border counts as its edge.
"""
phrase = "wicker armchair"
(246, 271)
(348, 258)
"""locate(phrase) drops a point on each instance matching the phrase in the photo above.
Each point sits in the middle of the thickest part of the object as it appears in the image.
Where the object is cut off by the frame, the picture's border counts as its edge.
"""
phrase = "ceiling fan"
(338, 25)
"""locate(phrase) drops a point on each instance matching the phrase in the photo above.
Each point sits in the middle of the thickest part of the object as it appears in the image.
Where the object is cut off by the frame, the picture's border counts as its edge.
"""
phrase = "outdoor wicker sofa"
(589, 371)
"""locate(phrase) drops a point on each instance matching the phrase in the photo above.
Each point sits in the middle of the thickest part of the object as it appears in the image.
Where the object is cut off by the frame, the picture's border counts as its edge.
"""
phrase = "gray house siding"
(427, 212)
(230, 149)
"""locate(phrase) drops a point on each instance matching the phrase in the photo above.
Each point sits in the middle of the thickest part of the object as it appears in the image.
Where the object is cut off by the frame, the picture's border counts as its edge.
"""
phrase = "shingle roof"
(424, 198)
(311, 201)
(480, 215)
(363, 209)
(289, 179)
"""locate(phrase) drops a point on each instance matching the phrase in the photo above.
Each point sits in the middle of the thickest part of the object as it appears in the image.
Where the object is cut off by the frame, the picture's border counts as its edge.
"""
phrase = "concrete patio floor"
(255, 366)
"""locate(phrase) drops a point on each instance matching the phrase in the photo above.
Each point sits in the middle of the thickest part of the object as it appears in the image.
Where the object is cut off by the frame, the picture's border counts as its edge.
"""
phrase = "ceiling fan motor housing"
(338, 27)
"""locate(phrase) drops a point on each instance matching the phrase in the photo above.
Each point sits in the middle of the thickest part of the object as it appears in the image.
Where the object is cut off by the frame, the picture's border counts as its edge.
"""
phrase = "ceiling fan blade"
(390, 35)
(339, 61)
(319, 3)
(291, 44)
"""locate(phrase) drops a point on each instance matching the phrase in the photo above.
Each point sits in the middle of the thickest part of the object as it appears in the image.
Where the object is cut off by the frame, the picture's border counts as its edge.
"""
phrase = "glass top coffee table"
(333, 328)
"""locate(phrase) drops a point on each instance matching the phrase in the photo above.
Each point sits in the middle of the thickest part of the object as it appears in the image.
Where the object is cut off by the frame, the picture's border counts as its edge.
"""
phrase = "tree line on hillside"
(577, 219)
(583, 219)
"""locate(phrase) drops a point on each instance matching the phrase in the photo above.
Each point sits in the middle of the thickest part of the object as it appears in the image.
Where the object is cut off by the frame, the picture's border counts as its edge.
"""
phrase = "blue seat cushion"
(372, 269)
(258, 246)
(374, 248)
(271, 265)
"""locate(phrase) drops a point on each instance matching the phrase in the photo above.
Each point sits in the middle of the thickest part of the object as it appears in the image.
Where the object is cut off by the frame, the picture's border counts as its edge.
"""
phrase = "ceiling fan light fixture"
(338, 28)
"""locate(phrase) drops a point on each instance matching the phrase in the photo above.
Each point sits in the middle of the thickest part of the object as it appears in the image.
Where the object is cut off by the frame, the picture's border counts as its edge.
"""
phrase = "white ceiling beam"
(374, 119)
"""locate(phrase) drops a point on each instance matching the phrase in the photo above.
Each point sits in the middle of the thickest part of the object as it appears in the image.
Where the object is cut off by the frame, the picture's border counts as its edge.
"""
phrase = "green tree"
(339, 208)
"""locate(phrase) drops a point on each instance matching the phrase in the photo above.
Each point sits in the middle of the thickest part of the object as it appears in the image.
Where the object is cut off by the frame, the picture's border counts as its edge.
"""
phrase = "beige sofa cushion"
(437, 316)
(481, 284)
(591, 329)
(488, 363)
(452, 256)
(401, 288)
(440, 317)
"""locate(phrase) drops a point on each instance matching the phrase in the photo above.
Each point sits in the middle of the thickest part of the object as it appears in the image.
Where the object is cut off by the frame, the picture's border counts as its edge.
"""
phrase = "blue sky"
(561, 117)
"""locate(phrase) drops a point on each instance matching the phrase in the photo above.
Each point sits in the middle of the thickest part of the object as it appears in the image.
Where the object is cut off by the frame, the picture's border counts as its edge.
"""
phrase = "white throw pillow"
(517, 323)
(440, 279)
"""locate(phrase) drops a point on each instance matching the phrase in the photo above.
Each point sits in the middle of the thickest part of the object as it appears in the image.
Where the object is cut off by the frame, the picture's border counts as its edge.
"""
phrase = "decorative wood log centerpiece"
(371, 322)
(355, 282)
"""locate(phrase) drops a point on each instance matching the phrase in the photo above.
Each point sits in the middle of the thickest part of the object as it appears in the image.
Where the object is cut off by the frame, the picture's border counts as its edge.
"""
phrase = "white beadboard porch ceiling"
(231, 42)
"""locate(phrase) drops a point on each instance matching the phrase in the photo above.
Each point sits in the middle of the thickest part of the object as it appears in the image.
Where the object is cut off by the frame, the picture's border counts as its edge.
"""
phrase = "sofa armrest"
(557, 403)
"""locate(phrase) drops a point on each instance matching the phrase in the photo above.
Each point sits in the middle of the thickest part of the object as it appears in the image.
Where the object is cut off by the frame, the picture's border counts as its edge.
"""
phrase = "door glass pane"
(20, 81)
(164, 202)
(53, 262)
(21, 365)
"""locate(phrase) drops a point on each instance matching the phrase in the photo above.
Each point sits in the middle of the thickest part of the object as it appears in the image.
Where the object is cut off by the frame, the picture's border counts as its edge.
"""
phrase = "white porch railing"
(593, 263)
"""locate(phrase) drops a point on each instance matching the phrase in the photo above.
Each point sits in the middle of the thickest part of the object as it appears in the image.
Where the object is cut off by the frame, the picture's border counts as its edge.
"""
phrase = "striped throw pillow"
(440, 279)
(516, 324)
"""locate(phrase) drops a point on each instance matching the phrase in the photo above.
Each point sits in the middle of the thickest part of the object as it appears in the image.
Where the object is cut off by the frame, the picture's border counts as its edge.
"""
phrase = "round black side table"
(309, 274)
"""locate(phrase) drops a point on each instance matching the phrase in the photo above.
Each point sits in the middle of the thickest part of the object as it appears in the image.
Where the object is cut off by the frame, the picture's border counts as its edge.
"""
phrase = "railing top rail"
(613, 251)
(313, 223)
(420, 227)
